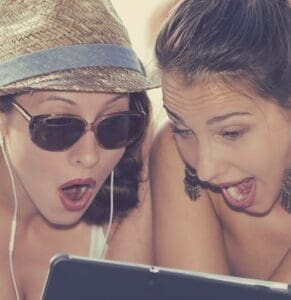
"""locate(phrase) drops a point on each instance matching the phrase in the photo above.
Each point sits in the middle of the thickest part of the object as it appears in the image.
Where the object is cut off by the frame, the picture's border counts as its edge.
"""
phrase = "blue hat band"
(65, 58)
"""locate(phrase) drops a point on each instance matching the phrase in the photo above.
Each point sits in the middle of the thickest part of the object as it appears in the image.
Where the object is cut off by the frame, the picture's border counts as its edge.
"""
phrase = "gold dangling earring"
(286, 191)
(191, 182)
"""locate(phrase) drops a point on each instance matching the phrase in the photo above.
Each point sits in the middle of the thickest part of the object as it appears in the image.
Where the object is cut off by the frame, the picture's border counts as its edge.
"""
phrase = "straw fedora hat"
(66, 45)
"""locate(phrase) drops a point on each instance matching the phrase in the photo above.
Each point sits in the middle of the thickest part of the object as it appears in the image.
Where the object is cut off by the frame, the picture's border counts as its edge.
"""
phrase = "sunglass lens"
(119, 131)
(56, 133)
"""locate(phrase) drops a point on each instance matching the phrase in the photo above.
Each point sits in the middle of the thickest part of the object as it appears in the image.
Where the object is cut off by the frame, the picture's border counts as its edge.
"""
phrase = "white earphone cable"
(110, 214)
(14, 220)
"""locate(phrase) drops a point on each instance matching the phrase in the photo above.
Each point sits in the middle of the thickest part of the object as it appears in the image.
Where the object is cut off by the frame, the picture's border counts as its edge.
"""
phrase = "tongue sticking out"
(75, 192)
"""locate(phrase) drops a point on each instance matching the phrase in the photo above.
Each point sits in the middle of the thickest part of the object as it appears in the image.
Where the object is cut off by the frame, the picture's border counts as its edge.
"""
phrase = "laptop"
(80, 278)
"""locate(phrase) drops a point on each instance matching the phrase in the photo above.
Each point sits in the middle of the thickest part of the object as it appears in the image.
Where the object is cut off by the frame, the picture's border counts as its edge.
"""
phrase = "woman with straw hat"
(73, 115)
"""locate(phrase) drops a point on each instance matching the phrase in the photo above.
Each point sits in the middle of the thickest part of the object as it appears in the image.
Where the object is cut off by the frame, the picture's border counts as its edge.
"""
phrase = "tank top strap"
(98, 246)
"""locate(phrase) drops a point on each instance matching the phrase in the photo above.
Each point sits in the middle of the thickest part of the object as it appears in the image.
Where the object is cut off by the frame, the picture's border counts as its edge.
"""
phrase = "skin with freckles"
(232, 137)
(45, 226)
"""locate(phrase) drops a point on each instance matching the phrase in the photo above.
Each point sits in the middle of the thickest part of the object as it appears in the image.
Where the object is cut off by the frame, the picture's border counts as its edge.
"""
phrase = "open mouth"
(75, 194)
(240, 195)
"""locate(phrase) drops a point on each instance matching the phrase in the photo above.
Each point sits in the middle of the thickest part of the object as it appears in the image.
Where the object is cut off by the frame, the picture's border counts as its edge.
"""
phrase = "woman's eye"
(183, 132)
(233, 134)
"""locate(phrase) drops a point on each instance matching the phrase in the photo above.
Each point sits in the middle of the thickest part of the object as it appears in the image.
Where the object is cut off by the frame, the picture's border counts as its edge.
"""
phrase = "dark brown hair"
(127, 173)
(127, 176)
(236, 39)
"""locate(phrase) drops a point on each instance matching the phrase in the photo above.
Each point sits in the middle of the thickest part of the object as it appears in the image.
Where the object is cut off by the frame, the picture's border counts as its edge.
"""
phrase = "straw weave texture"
(32, 25)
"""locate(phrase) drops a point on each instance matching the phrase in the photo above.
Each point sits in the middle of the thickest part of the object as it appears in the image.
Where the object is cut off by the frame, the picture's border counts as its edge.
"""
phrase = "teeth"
(83, 189)
(235, 194)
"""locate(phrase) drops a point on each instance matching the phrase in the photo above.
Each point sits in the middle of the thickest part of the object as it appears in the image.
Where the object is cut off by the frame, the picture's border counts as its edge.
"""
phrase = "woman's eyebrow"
(210, 121)
(58, 98)
(117, 97)
(70, 101)
(174, 115)
(226, 116)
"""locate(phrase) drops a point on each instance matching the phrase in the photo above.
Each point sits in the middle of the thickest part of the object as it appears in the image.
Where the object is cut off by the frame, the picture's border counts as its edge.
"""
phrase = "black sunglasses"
(58, 132)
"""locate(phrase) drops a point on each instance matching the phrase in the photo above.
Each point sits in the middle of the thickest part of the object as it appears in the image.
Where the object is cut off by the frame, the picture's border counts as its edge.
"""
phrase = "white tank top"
(98, 245)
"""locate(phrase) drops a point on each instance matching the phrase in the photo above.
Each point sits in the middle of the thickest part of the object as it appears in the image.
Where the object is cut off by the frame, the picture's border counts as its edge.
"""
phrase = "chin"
(63, 221)
(259, 209)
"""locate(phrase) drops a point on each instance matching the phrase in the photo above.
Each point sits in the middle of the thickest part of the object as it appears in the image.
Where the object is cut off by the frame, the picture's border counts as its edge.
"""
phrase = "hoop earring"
(191, 183)
(286, 191)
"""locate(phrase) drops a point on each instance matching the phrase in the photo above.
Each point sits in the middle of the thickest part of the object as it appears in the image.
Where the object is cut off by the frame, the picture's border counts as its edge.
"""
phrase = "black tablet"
(80, 278)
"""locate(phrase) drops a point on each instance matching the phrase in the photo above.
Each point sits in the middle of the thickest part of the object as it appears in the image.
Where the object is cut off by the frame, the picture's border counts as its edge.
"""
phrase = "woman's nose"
(209, 164)
(86, 152)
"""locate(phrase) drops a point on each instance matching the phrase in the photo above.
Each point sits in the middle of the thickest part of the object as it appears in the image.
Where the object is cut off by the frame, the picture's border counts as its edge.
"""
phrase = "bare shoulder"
(164, 156)
(166, 168)
(167, 172)
(131, 237)
(163, 144)
(187, 233)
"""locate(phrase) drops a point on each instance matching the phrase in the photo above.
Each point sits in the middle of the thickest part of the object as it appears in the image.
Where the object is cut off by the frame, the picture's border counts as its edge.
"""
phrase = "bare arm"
(187, 234)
